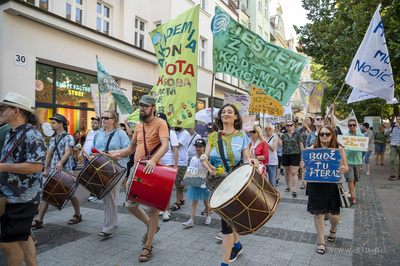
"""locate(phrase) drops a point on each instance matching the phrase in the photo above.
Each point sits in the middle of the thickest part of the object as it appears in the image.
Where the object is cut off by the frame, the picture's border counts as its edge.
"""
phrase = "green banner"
(175, 43)
(243, 54)
(108, 84)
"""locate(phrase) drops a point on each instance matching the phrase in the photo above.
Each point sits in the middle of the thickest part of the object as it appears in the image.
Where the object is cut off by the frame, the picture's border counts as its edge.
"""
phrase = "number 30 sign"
(20, 59)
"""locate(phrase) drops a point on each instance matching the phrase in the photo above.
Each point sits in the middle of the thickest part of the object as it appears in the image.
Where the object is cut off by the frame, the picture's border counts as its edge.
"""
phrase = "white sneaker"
(208, 220)
(166, 217)
(160, 213)
(92, 198)
(189, 223)
(368, 173)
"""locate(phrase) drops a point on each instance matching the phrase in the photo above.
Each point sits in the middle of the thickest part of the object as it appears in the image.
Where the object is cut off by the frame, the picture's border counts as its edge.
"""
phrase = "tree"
(333, 38)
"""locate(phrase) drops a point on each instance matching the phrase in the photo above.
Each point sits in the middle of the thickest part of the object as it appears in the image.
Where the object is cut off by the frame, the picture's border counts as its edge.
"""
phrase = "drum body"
(100, 175)
(245, 199)
(59, 188)
(153, 190)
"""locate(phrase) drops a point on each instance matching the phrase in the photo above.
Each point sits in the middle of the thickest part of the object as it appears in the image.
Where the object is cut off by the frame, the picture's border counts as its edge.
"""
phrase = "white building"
(48, 51)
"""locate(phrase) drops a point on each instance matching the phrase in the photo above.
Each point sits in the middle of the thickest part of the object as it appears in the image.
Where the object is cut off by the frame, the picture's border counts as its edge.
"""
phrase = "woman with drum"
(109, 138)
(272, 144)
(323, 198)
(235, 150)
(259, 149)
(292, 145)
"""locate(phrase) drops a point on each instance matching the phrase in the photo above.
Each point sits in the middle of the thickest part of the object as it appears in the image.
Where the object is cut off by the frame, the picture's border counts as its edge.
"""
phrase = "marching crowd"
(274, 149)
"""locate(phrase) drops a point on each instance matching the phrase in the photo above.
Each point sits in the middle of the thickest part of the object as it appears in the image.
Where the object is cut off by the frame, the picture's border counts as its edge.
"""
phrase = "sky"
(293, 14)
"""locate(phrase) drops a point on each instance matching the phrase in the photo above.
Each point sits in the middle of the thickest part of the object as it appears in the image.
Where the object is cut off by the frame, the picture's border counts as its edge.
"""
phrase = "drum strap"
(15, 145)
(108, 141)
(146, 151)
(222, 152)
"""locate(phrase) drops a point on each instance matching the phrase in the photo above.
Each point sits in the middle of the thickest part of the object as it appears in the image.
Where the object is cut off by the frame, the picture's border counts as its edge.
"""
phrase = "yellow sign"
(262, 103)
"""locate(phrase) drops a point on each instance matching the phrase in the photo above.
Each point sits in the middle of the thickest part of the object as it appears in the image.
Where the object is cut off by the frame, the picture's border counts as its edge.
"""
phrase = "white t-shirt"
(87, 147)
(273, 155)
(191, 147)
(184, 139)
(196, 162)
(168, 158)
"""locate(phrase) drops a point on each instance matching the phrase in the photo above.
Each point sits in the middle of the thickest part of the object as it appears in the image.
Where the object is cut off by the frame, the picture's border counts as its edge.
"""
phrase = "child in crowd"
(198, 193)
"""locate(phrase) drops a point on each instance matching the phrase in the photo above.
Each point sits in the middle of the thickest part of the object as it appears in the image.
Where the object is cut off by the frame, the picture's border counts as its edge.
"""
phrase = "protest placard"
(195, 177)
(201, 129)
(262, 103)
(241, 102)
(354, 143)
(322, 165)
(248, 122)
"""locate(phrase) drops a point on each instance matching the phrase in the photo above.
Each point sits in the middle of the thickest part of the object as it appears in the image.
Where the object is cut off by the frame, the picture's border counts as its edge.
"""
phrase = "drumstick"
(203, 158)
(87, 155)
(94, 150)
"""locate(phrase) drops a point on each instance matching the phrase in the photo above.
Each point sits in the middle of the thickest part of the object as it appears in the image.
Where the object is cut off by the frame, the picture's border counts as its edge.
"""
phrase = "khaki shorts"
(179, 177)
(354, 173)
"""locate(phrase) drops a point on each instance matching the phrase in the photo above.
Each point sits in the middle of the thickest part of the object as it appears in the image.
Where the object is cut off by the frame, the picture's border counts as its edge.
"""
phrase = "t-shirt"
(291, 145)
(273, 155)
(168, 158)
(311, 137)
(233, 146)
(119, 141)
(184, 139)
(196, 162)
(155, 130)
(66, 141)
(354, 157)
(369, 135)
(380, 137)
(23, 188)
(89, 141)
(191, 147)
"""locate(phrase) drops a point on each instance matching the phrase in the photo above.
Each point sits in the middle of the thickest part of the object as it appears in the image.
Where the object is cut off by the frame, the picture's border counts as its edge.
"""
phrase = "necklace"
(223, 134)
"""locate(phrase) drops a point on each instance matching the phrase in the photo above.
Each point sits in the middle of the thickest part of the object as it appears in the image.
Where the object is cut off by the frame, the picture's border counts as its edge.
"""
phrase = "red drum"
(153, 190)
(59, 188)
(245, 199)
(100, 175)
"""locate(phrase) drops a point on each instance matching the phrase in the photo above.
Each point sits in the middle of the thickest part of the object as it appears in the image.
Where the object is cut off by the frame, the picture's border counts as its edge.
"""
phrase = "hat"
(95, 118)
(200, 142)
(17, 100)
(59, 118)
(148, 99)
(162, 116)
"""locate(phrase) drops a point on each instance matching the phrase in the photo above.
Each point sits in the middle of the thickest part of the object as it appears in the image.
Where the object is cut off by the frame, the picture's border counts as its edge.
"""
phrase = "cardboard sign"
(248, 122)
(354, 143)
(195, 177)
(201, 129)
(322, 165)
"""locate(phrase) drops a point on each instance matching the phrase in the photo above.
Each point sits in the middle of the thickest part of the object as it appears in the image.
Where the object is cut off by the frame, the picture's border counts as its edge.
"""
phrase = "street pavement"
(366, 235)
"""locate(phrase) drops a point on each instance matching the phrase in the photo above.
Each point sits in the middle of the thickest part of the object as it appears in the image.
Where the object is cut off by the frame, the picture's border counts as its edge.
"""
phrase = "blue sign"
(322, 165)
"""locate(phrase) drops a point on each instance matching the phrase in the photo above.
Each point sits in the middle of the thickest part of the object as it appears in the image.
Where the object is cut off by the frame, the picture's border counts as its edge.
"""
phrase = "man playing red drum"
(150, 131)
(22, 160)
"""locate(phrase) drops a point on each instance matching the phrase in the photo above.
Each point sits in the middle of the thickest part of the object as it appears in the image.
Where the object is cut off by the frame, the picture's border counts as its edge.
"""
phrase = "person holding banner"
(323, 198)
(292, 145)
(235, 151)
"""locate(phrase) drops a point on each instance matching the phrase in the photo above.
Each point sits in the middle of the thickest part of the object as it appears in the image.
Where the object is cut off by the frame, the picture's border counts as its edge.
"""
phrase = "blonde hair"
(113, 116)
(269, 125)
(259, 131)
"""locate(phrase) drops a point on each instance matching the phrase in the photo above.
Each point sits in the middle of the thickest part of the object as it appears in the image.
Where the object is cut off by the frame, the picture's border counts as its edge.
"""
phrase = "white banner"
(370, 70)
(242, 102)
(343, 124)
(287, 114)
(106, 99)
(358, 96)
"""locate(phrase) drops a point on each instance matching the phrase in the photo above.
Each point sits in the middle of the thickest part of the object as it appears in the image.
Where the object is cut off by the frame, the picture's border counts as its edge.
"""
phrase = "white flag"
(358, 96)
(370, 70)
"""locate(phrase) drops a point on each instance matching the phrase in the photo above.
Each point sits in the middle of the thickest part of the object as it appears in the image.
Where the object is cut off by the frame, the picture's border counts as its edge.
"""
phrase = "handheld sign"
(322, 165)
(195, 177)
(353, 143)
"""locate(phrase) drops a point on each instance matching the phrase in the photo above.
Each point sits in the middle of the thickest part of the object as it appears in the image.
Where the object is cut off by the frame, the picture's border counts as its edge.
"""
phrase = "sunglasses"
(253, 132)
(106, 117)
(268, 129)
(143, 106)
(289, 125)
(352, 125)
(325, 134)
(319, 119)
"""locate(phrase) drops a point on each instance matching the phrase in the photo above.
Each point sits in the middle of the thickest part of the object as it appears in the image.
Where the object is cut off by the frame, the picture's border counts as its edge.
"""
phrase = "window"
(157, 23)
(43, 4)
(139, 32)
(103, 18)
(266, 9)
(203, 4)
(259, 5)
(202, 52)
(74, 10)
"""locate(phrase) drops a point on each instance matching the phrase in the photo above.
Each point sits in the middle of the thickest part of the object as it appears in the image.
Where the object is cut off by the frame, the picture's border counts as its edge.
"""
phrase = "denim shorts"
(380, 147)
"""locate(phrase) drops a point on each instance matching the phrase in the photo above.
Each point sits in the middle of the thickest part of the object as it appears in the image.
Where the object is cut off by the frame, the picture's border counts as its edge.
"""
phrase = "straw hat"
(17, 100)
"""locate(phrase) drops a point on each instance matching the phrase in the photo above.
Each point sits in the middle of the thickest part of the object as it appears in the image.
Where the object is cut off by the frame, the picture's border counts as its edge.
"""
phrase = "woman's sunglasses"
(105, 117)
(323, 134)
(253, 132)
(319, 119)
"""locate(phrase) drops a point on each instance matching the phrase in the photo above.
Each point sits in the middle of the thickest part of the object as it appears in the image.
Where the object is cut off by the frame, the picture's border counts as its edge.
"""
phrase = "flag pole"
(211, 102)
(334, 102)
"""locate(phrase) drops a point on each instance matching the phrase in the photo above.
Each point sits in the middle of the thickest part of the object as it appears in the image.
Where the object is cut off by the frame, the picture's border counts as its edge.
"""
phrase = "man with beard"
(149, 132)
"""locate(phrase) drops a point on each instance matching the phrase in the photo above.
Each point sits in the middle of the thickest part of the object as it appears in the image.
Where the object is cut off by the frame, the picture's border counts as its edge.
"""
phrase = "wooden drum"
(59, 188)
(245, 199)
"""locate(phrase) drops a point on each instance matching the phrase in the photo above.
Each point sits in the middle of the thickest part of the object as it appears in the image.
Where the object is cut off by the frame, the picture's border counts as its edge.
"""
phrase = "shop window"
(103, 18)
(139, 32)
(44, 83)
(137, 93)
(200, 105)
(74, 10)
(43, 4)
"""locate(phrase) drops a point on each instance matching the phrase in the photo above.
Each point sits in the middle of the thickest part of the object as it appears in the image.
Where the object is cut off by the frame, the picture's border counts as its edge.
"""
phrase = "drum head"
(231, 185)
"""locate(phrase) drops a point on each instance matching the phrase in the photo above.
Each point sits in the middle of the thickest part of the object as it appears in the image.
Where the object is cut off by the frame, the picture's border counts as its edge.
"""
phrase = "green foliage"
(332, 39)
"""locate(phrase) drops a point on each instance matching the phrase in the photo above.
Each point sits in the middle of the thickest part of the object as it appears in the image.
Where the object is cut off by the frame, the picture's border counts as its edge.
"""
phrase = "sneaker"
(166, 217)
(282, 173)
(368, 173)
(161, 213)
(235, 253)
(189, 223)
(277, 182)
(362, 169)
(208, 220)
(392, 178)
(353, 199)
(92, 198)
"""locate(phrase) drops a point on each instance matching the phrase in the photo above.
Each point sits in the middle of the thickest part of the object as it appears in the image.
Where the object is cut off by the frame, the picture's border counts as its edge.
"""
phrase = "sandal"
(302, 186)
(75, 219)
(287, 189)
(321, 250)
(218, 236)
(205, 212)
(37, 225)
(175, 207)
(182, 202)
(105, 235)
(332, 238)
(145, 237)
(294, 194)
(147, 256)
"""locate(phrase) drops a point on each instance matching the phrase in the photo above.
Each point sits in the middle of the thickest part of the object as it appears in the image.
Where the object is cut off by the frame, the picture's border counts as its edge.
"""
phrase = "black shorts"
(279, 161)
(16, 222)
(291, 159)
(226, 229)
